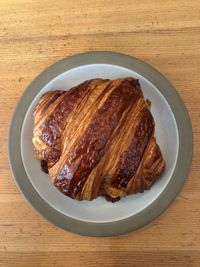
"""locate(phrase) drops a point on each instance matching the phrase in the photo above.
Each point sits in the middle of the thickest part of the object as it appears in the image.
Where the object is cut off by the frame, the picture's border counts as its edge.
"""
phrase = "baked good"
(97, 139)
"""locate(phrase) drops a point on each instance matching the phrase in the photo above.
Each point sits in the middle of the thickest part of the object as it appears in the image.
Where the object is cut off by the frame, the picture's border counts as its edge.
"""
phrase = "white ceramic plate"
(156, 88)
(101, 210)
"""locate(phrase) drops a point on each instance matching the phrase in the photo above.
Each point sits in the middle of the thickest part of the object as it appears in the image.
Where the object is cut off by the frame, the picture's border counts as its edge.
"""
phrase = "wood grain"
(34, 35)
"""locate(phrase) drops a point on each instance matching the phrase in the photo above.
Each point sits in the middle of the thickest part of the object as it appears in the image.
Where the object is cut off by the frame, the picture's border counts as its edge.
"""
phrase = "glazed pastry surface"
(97, 139)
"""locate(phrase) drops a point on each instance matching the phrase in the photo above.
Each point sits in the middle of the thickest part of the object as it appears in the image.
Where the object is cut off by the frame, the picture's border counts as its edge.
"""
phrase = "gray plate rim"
(177, 179)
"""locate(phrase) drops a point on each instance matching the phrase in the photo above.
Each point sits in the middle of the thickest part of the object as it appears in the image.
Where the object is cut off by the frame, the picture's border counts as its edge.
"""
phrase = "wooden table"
(34, 35)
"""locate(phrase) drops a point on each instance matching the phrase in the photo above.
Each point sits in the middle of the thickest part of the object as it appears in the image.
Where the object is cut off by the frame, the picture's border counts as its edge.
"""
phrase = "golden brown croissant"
(97, 139)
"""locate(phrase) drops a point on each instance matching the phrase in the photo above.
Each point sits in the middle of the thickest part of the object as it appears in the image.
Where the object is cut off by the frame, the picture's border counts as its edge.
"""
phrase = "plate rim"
(185, 149)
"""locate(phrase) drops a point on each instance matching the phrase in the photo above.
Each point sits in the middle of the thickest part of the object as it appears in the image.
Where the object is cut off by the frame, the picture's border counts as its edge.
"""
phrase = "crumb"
(44, 166)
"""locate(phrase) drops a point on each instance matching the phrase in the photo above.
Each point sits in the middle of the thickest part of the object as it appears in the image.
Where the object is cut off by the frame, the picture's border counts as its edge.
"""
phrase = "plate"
(100, 210)
(98, 217)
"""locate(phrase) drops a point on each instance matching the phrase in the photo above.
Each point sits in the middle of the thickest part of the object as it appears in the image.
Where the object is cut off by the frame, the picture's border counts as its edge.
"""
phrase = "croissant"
(97, 139)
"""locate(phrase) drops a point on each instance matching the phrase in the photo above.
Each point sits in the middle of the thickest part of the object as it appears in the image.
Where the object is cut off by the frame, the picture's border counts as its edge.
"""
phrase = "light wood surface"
(36, 34)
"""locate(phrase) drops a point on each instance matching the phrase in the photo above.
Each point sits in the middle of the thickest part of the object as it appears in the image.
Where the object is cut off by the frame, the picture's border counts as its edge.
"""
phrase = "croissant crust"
(97, 139)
